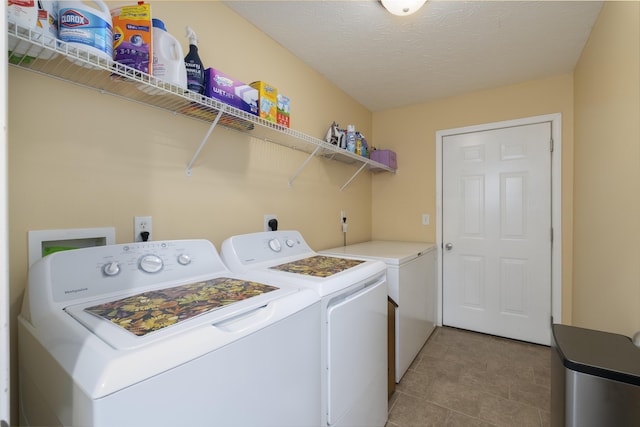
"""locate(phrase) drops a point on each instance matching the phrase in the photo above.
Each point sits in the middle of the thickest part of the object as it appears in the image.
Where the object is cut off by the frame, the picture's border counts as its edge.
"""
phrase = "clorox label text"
(72, 18)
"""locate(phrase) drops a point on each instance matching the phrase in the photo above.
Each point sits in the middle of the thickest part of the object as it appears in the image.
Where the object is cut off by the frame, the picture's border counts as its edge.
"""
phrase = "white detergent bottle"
(86, 25)
(168, 62)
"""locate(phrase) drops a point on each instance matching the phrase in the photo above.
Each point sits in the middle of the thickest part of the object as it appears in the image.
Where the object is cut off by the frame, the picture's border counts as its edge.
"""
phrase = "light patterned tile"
(508, 413)
(463, 378)
(531, 394)
(490, 382)
(410, 411)
(457, 419)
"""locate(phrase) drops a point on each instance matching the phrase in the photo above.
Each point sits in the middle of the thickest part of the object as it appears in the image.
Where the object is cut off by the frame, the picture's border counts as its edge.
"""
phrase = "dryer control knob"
(184, 259)
(274, 244)
(151, 263)
(290, 243)
(111, 268)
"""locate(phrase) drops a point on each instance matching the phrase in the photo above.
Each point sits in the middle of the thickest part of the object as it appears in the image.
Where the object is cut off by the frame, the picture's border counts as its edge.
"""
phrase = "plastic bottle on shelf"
(168, 64)
(351, 138)
(195, 69)
(365, 146)
(82, 25)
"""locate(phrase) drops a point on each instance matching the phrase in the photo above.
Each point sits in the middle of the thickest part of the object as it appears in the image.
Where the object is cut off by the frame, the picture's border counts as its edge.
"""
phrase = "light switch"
(425, 219)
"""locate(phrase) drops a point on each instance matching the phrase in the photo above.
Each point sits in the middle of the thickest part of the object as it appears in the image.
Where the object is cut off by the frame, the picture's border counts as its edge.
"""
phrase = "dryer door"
(357, 357)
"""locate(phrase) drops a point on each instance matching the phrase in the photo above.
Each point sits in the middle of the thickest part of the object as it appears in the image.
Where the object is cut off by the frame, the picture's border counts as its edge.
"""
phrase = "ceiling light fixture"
(402, 7)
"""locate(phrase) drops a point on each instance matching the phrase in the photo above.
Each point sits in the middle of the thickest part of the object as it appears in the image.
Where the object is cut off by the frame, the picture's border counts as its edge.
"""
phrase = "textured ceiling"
(447, 48)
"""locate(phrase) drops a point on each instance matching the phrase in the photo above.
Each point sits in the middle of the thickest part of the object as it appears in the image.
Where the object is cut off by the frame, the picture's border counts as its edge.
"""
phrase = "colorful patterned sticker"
(153, 310)
(318, 266)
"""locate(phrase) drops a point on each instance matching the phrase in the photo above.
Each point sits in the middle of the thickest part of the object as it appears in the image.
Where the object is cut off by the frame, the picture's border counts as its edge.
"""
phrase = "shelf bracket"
(205, 139)
(303, 165)
(364, 165)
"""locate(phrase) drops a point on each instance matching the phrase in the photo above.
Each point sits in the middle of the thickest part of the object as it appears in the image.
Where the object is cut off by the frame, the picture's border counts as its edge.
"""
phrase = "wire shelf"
(41, 53)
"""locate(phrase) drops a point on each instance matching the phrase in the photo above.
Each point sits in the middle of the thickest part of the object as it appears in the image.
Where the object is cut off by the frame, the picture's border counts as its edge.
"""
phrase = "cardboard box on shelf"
(267, 101)
(225, 89)
(284, 111)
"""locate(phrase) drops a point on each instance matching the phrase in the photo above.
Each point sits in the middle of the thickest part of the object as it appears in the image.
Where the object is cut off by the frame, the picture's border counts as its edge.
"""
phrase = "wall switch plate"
(141, 224)
(267, 218)
(425, 219)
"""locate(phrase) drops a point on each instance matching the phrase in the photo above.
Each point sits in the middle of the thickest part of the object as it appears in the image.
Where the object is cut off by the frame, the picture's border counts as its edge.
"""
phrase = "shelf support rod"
(303, 165)
(205, 139)
(364, 165)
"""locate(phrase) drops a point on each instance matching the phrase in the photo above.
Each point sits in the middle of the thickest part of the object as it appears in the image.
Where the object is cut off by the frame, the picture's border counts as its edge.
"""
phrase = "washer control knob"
(151, 263)
(111, 268)
(275, 246)
(184, 259)
(290, 243)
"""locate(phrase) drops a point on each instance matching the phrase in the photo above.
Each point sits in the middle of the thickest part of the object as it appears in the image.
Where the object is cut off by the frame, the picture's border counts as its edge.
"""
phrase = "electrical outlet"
(267, 218)
(343, 215)
(141, 224)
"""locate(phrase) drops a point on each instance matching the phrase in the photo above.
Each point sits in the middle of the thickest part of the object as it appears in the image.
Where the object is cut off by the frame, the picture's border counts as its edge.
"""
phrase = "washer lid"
(391, 252)
(141, 318)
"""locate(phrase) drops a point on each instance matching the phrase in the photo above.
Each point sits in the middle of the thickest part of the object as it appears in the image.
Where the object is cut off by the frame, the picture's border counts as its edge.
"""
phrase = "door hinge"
(552, 235)
(551, 144)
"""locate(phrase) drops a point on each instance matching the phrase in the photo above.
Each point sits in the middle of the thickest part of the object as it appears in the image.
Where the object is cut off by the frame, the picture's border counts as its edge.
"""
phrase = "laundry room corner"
(80, 158)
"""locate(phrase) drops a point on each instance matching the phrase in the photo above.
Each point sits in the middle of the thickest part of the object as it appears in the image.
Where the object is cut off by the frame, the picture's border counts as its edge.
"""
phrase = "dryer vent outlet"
(269, 224)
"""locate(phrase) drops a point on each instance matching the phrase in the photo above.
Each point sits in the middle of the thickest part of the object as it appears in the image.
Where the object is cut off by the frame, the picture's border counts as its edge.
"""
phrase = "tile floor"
(463, 378)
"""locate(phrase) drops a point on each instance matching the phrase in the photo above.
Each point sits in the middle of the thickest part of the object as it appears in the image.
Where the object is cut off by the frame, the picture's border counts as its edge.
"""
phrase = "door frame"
(556, 202)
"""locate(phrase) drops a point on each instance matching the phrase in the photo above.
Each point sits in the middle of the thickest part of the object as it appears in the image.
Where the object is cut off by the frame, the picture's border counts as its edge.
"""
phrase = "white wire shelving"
(46, 55)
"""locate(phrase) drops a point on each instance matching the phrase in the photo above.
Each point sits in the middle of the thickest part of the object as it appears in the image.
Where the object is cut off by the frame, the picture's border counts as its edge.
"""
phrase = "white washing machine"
(411, 277)
(353, 295)
(163, 334)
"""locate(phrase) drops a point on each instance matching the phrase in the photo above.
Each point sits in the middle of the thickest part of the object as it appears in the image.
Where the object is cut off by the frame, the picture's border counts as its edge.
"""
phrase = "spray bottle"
(351, 138)
(195, 69)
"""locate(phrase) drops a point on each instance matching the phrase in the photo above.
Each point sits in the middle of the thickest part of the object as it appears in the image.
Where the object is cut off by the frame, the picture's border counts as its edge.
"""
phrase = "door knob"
(448, 246)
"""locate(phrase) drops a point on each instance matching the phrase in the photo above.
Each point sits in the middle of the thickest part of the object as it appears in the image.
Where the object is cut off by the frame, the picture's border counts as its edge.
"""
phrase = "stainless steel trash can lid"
(598, 353)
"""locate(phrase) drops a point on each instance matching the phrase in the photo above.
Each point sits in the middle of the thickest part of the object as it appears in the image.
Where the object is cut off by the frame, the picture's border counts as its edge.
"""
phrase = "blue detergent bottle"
(351, 138)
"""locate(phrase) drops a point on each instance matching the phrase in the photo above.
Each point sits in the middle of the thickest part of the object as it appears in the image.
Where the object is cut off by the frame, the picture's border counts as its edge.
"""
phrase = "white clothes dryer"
(163, 334)
(411, 276)
(353, 295)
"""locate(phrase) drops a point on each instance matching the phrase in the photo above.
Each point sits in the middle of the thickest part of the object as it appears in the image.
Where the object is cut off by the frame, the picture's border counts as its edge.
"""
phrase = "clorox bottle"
(86, 25)
(168, 62)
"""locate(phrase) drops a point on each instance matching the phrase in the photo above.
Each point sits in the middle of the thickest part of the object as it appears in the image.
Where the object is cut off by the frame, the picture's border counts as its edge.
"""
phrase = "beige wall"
(399, 201)
(607, 174)
(81, 159)
(78, 158)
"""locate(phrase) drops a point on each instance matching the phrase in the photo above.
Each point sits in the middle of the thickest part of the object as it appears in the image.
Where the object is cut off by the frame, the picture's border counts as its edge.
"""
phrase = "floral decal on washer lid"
(318, 266)
(153, 310)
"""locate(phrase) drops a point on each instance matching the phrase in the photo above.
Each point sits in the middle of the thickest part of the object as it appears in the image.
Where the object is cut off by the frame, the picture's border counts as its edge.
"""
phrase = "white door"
(496, 210)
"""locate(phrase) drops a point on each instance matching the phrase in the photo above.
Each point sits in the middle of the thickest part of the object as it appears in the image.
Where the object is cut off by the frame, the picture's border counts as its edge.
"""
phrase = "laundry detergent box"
(386, 157)
(284, 111)
(226, 89)
(267, 101)
(132, 37)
